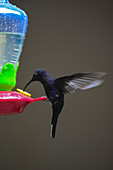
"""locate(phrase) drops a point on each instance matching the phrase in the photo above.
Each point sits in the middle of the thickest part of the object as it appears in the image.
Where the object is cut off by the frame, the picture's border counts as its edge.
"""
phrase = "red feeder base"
(12, 102)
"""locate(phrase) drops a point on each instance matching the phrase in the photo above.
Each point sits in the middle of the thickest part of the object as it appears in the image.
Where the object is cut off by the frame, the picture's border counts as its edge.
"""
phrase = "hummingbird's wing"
(80, 81)
(57, 107)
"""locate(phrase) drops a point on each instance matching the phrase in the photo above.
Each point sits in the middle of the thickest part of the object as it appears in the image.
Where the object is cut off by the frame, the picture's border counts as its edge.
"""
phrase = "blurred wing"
(80, 81)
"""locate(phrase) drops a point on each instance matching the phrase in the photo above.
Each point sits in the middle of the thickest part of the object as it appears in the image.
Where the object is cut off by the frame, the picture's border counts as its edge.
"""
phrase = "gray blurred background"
(63, 37)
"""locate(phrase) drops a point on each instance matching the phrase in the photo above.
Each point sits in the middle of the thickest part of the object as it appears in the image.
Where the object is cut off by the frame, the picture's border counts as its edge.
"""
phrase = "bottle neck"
(4, 1)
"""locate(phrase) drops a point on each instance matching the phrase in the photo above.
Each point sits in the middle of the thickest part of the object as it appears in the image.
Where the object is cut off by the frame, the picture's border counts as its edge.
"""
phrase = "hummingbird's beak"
(27, 84)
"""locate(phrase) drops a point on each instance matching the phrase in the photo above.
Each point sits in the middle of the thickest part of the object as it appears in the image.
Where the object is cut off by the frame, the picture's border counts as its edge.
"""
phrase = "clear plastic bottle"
(13, 24)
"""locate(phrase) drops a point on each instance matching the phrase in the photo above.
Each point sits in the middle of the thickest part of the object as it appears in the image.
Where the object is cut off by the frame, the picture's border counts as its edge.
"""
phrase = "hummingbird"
(56, 88)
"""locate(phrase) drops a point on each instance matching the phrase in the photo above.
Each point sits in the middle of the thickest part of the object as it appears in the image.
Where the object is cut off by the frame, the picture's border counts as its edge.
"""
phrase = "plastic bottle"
(13, 24)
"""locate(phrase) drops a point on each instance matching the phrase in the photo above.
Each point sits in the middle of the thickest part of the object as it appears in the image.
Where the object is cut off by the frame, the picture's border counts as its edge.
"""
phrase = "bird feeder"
(13, 25)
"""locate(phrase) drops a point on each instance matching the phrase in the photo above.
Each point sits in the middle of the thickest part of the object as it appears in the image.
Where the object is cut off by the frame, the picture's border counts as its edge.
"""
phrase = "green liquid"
(8, 77)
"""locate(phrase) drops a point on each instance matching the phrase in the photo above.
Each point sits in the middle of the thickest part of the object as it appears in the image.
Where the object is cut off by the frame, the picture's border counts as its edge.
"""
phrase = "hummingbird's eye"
(36, 74)
(34, 77)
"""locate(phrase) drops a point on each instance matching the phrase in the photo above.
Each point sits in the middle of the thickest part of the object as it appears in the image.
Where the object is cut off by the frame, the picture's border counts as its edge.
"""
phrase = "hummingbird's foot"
(47, 100)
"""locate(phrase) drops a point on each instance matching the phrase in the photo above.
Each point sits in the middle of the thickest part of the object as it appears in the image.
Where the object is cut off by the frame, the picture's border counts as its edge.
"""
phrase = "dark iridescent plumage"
(56, 88)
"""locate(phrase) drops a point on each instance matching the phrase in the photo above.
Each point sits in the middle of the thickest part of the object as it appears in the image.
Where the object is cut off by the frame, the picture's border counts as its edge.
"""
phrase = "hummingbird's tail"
(53, 126)
(57, 107)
